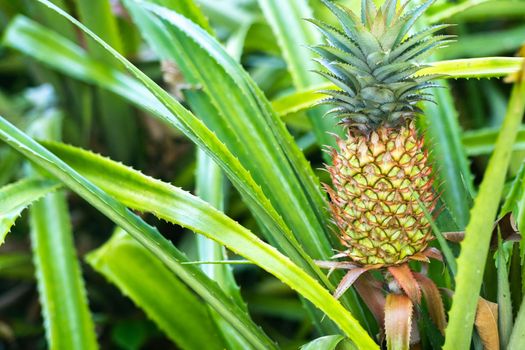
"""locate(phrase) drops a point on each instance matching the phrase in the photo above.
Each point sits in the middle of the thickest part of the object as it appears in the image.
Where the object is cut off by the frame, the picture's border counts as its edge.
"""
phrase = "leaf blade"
(146, 194)
(152, 287)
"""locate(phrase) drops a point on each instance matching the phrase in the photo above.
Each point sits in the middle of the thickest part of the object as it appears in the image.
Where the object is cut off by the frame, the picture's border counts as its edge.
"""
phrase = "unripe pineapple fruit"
(382, 182)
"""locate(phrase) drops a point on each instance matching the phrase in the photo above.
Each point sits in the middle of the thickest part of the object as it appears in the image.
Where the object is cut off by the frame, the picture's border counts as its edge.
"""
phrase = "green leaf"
(245, 122)
(329, 342)
(61, 291)
(486, 67)
(452, 9)
(490, 43)
(504, 298)
(180, 207)
(294, 36)
(482, 141)
(449, 159)
(146, 194)
(48, 46)
(517, 338)
(171, 112)
(177, 117)
(475, 246)
(210, 187)
(65, 310)
(141, 231)
(16, 197)
(141, 276)
(118, 121)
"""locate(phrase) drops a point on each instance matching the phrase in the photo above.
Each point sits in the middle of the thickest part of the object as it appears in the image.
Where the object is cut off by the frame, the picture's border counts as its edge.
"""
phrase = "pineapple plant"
(230, 97)
(382, 179)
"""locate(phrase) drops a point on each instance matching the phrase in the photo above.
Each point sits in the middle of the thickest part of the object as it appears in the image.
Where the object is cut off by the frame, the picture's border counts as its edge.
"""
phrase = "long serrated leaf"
(247, 124)
(162, 106)
(119, 127)
(180, 118)
(210, 186)
(68, 322)
(140, 230)
(398, 321)
(146, 194)
(249, 128)
(141, 276)
(486, 67)
(474, 248)
(449, 159)
(38, 42)
(182, 208)
(517, 338)
(67, 319)
(294, 35)
(172, 113)
(16, 197)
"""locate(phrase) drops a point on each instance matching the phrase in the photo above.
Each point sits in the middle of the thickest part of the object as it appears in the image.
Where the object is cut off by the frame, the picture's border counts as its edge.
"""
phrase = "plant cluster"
(262, 174)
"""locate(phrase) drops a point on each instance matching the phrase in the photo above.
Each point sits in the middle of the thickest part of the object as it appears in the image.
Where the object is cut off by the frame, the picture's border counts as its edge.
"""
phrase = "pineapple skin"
(378, 178)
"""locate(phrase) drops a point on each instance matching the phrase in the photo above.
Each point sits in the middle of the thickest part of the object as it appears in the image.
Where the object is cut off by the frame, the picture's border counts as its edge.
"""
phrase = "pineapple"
(382, 180)
(380, 172)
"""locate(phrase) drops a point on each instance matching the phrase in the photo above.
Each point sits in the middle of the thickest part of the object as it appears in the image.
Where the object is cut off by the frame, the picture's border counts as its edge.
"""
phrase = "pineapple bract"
(380, 171)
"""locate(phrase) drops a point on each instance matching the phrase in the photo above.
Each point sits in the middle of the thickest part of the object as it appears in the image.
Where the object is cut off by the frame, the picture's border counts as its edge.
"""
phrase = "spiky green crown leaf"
(374, 63)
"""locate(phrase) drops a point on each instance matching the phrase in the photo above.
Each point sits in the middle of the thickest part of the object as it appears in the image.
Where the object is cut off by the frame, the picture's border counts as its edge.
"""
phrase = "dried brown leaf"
(508, 229)
(372, 294)
(349, 279)
(433, 253)
(455, 237)
(433, 300)
(487, 324)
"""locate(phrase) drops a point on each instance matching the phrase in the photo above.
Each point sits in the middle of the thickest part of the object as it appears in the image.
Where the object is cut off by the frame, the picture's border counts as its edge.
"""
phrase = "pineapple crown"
(374, 63)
